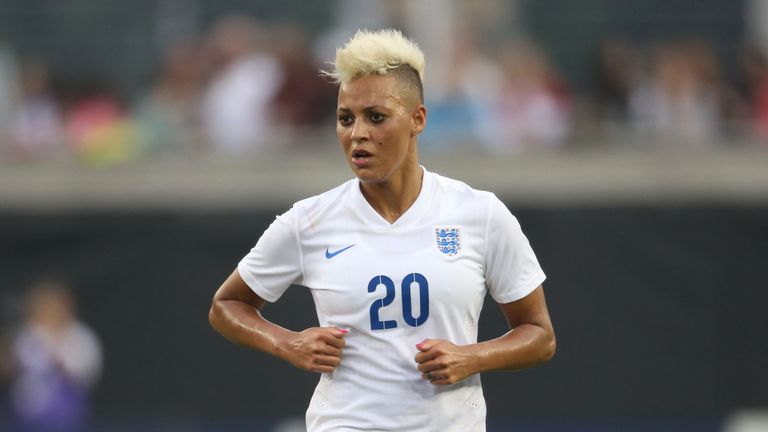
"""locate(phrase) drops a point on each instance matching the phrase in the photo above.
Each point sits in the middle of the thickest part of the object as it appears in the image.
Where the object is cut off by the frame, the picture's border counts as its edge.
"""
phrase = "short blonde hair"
(375, 52)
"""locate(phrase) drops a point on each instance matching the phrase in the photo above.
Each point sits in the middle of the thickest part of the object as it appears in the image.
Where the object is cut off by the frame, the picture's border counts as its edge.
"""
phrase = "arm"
(236, 314)
(530, 341)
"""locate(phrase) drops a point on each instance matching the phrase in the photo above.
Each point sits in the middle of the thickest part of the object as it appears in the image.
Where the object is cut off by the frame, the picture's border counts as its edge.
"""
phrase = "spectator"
(755, 68)
(36, 129)
(99, 128)
(8, 92)
(236, 106)
(679, 100)
(615, 71)
(461, 108)
(304, 98)
(532, 109)
(56, 362)
(169, 115)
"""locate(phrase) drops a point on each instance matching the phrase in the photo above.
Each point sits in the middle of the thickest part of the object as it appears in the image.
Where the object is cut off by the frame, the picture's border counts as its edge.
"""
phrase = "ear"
(418, 120)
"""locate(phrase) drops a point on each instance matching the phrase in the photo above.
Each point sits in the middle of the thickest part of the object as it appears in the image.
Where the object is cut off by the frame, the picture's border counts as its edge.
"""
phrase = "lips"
(361, 157)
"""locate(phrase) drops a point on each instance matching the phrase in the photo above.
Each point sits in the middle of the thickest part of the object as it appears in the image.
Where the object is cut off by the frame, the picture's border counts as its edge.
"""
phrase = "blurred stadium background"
(145, 145)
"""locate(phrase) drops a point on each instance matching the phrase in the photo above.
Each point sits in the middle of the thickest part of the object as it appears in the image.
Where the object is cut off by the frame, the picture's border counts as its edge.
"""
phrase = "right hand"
(316, 349)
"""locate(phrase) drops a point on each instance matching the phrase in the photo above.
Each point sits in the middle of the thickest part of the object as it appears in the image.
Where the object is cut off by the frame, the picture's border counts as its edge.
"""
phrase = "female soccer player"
(398, 261)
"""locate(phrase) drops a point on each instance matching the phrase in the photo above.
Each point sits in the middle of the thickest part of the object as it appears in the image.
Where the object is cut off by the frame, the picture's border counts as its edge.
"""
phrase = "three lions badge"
(448, 240)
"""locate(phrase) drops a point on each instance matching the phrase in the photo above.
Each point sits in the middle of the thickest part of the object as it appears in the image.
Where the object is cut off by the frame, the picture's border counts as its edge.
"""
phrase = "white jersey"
(392, 286)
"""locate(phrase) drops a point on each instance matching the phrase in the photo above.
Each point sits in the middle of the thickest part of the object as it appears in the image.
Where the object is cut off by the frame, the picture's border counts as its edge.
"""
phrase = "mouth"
(361, 157)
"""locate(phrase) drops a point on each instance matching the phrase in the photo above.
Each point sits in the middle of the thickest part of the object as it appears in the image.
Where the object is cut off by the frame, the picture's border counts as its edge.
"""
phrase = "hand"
(316, 349)
(444, 363)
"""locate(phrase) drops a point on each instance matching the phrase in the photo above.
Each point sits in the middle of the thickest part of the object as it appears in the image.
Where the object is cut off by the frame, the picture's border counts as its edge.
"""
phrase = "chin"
(367, 177)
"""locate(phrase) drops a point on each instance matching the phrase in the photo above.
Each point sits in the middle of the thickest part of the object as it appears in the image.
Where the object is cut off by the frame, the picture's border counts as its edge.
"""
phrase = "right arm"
(236, 314)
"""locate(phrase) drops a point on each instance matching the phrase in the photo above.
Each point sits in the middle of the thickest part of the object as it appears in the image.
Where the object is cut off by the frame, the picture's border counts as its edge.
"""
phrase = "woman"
(398, 261)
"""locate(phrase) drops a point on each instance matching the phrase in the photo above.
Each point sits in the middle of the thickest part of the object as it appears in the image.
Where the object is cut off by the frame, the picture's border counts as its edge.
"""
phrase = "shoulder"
(457, 190)
(308, 210)
(480, 207)
(324, 199)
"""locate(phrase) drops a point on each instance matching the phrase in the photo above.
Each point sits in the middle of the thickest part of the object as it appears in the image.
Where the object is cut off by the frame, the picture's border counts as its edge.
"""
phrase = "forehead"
(370, 90)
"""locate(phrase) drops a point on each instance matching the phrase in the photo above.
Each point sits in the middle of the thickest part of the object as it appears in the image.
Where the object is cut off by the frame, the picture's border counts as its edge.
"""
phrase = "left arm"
(530, 341)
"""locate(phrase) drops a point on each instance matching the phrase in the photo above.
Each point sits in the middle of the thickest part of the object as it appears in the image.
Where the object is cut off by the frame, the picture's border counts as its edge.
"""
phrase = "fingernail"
(344, 331)
(420, 345)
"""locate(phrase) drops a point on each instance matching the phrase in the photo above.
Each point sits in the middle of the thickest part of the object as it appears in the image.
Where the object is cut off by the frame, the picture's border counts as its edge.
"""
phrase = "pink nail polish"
(344, 331)
(420, 345)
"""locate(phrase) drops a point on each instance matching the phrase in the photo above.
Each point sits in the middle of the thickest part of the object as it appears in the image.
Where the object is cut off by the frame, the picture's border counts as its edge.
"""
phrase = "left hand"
(444, 363)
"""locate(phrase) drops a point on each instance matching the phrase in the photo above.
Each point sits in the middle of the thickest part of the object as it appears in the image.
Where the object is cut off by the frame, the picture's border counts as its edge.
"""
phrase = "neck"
(394, 197)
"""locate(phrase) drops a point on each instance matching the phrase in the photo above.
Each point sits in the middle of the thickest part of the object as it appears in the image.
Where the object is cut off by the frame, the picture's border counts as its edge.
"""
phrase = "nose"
(360, 131)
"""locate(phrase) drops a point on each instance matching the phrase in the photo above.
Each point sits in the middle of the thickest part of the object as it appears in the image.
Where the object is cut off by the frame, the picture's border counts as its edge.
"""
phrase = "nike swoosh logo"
(329, 254)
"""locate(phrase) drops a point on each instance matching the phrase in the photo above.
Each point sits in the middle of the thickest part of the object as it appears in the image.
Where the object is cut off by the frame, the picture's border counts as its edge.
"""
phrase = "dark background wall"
(659, 311)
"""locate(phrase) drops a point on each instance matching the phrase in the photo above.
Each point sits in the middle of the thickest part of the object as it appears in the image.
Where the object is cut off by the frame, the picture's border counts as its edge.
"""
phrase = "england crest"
(448, 240)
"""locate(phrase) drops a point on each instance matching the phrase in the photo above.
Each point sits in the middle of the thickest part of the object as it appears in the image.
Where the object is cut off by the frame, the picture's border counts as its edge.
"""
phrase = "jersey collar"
(411, 216)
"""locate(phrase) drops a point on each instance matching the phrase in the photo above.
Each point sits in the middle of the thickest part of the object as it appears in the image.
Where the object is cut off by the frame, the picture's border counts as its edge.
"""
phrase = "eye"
(376, 117)
(344, 119)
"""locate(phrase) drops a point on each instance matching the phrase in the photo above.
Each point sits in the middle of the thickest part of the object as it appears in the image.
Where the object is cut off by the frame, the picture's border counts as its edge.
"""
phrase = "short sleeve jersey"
(392, 285)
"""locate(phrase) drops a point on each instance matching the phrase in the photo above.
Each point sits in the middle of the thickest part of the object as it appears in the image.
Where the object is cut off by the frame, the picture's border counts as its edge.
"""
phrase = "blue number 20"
(376, 323)
(389, 286)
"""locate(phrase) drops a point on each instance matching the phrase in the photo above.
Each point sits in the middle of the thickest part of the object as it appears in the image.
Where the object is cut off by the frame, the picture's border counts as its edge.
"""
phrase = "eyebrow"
(369, 108)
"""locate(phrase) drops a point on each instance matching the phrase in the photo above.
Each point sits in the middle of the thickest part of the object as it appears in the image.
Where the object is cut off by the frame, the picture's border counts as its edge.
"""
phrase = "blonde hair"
(375, 52)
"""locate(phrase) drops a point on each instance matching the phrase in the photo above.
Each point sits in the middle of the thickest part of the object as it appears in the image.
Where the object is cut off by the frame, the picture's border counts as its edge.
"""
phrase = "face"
(51, 308)
(377, 128)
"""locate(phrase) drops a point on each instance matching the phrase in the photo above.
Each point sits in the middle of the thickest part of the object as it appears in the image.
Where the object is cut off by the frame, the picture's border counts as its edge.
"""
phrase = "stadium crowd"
(244, 88)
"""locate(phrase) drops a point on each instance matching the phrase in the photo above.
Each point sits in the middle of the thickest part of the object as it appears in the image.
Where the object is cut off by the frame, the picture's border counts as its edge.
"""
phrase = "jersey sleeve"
(275, 262)
(511, 268)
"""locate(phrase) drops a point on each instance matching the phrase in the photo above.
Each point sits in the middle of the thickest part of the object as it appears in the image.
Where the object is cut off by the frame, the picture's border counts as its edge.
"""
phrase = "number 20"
(389, 286)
